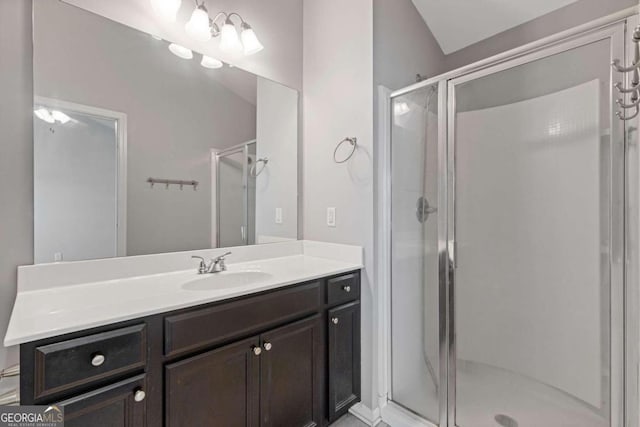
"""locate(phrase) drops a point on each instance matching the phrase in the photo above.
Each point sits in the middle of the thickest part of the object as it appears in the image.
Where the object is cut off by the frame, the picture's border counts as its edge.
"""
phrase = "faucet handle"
(202, 268)
(221, 257)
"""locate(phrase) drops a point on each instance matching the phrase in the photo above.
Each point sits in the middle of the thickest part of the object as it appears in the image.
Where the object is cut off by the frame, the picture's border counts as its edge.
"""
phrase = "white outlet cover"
(331, 217)
(278, 215)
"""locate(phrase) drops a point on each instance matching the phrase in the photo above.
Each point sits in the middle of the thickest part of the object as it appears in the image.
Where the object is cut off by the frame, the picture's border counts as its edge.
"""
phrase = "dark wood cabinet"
(344, 358)
(290, 375)
(217, 388)
(286, 357)
(122, 404)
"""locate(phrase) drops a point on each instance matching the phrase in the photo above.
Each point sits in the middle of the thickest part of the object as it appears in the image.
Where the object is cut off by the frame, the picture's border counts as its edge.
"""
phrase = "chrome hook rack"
(633, 91)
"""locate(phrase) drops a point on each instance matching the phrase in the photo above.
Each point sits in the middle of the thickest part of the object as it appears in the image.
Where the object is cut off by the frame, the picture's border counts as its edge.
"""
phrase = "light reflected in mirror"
(115, 108)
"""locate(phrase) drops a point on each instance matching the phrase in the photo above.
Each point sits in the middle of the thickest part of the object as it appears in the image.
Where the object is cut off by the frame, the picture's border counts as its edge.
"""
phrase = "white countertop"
(57, 310)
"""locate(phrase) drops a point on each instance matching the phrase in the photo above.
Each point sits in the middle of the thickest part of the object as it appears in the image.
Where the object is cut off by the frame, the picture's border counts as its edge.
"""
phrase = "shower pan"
(512, 297)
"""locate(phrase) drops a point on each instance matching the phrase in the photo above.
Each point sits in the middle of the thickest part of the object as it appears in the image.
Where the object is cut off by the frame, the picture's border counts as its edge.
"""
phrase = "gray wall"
(337, 103)
(16, 154)
(403, 45)
(562, 19)
(176, 112)
(277, 185)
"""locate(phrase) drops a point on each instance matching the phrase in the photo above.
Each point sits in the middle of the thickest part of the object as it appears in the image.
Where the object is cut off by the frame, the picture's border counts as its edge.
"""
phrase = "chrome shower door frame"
(615, 34)
(244, 149)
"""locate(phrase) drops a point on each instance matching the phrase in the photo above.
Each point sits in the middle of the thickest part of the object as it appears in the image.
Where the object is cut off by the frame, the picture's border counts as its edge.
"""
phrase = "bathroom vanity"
(262, 351)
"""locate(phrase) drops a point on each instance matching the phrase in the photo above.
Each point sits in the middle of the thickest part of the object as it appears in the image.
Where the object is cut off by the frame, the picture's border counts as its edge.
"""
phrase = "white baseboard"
(365, 414)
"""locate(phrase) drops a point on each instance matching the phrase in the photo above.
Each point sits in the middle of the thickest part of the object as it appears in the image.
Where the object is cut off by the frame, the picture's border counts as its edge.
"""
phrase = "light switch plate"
(278, 215)
(331, 217)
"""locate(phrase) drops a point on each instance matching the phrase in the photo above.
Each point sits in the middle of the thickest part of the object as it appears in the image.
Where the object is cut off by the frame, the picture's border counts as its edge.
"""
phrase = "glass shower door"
(232, 198)
(415, 359)
(538, 230)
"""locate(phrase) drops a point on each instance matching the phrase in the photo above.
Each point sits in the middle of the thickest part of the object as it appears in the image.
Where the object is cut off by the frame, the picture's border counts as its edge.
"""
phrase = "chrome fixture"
(97, 359)
(139, 395)
(216, 265)
(168, 182)
(254, 172)
(354, 144)
(10, 398)
(202, 267)
(267, 346)
(424, 209)
(202, 28)
(633, 91)
(11, 371)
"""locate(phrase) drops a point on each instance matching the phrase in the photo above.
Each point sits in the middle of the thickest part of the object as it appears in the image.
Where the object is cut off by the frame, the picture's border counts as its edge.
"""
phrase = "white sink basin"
(225, 280)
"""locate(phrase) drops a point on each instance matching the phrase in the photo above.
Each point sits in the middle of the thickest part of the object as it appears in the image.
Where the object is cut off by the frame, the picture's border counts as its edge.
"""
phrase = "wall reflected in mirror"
(114, 107)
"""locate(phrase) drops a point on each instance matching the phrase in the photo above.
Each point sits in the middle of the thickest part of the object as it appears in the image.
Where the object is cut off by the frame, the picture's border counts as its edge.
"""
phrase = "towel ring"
(354, 143)
(254, 172)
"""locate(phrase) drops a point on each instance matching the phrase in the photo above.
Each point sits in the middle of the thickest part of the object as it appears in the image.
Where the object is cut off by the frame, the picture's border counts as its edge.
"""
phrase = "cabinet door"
(291, 372)
(344, 358)
(219, 388)
(119, 405)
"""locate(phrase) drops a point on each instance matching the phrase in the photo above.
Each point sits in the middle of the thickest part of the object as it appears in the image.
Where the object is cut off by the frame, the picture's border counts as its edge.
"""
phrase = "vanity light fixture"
(180, 51)
(166, 9)
(59, 116)
(202, 28)
(198, 26)
(229, 41)
(250, 40)
(401, 108)
(51, 116)
(44, 114)
(209, 62)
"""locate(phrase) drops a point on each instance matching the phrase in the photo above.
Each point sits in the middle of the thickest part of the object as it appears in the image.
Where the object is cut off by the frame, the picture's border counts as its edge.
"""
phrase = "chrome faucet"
(216, 265)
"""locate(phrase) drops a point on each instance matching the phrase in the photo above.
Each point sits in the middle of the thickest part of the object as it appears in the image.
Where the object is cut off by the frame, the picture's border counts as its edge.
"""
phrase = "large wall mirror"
(139, 149)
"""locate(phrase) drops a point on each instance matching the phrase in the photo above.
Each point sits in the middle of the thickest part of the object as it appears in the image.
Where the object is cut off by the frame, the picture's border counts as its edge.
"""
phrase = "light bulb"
(60, 116)
(44, 114)
(401, 108)
(229, 41)
(250, 40)
(209, 62)
(166, 9)
(180, 51)
(198, 26)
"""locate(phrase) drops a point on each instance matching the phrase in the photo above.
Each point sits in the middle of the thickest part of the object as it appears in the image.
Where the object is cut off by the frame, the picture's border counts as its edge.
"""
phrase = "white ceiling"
(460, 23)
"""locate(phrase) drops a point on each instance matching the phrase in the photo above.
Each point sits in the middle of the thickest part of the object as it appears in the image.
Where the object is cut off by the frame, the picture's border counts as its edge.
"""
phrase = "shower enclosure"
(235, 202)
(512, 297)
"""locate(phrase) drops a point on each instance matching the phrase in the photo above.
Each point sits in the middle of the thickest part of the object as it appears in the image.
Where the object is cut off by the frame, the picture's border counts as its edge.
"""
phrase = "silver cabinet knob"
(139, 395)
(335, 320)
(257, 351)
(347, 288)
(97, 359)
(267, 346)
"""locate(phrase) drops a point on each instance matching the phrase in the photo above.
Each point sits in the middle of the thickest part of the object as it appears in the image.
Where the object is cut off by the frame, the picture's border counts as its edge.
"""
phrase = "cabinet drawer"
(223, 322)
(67, 364)
(119, 405)
(343, 289)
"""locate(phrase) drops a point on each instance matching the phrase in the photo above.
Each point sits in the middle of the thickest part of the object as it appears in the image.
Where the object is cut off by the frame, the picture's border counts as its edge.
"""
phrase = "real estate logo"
(31, 416)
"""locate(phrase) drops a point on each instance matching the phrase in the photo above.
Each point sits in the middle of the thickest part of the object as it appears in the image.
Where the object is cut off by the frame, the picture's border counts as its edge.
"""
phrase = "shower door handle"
(424, 209)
